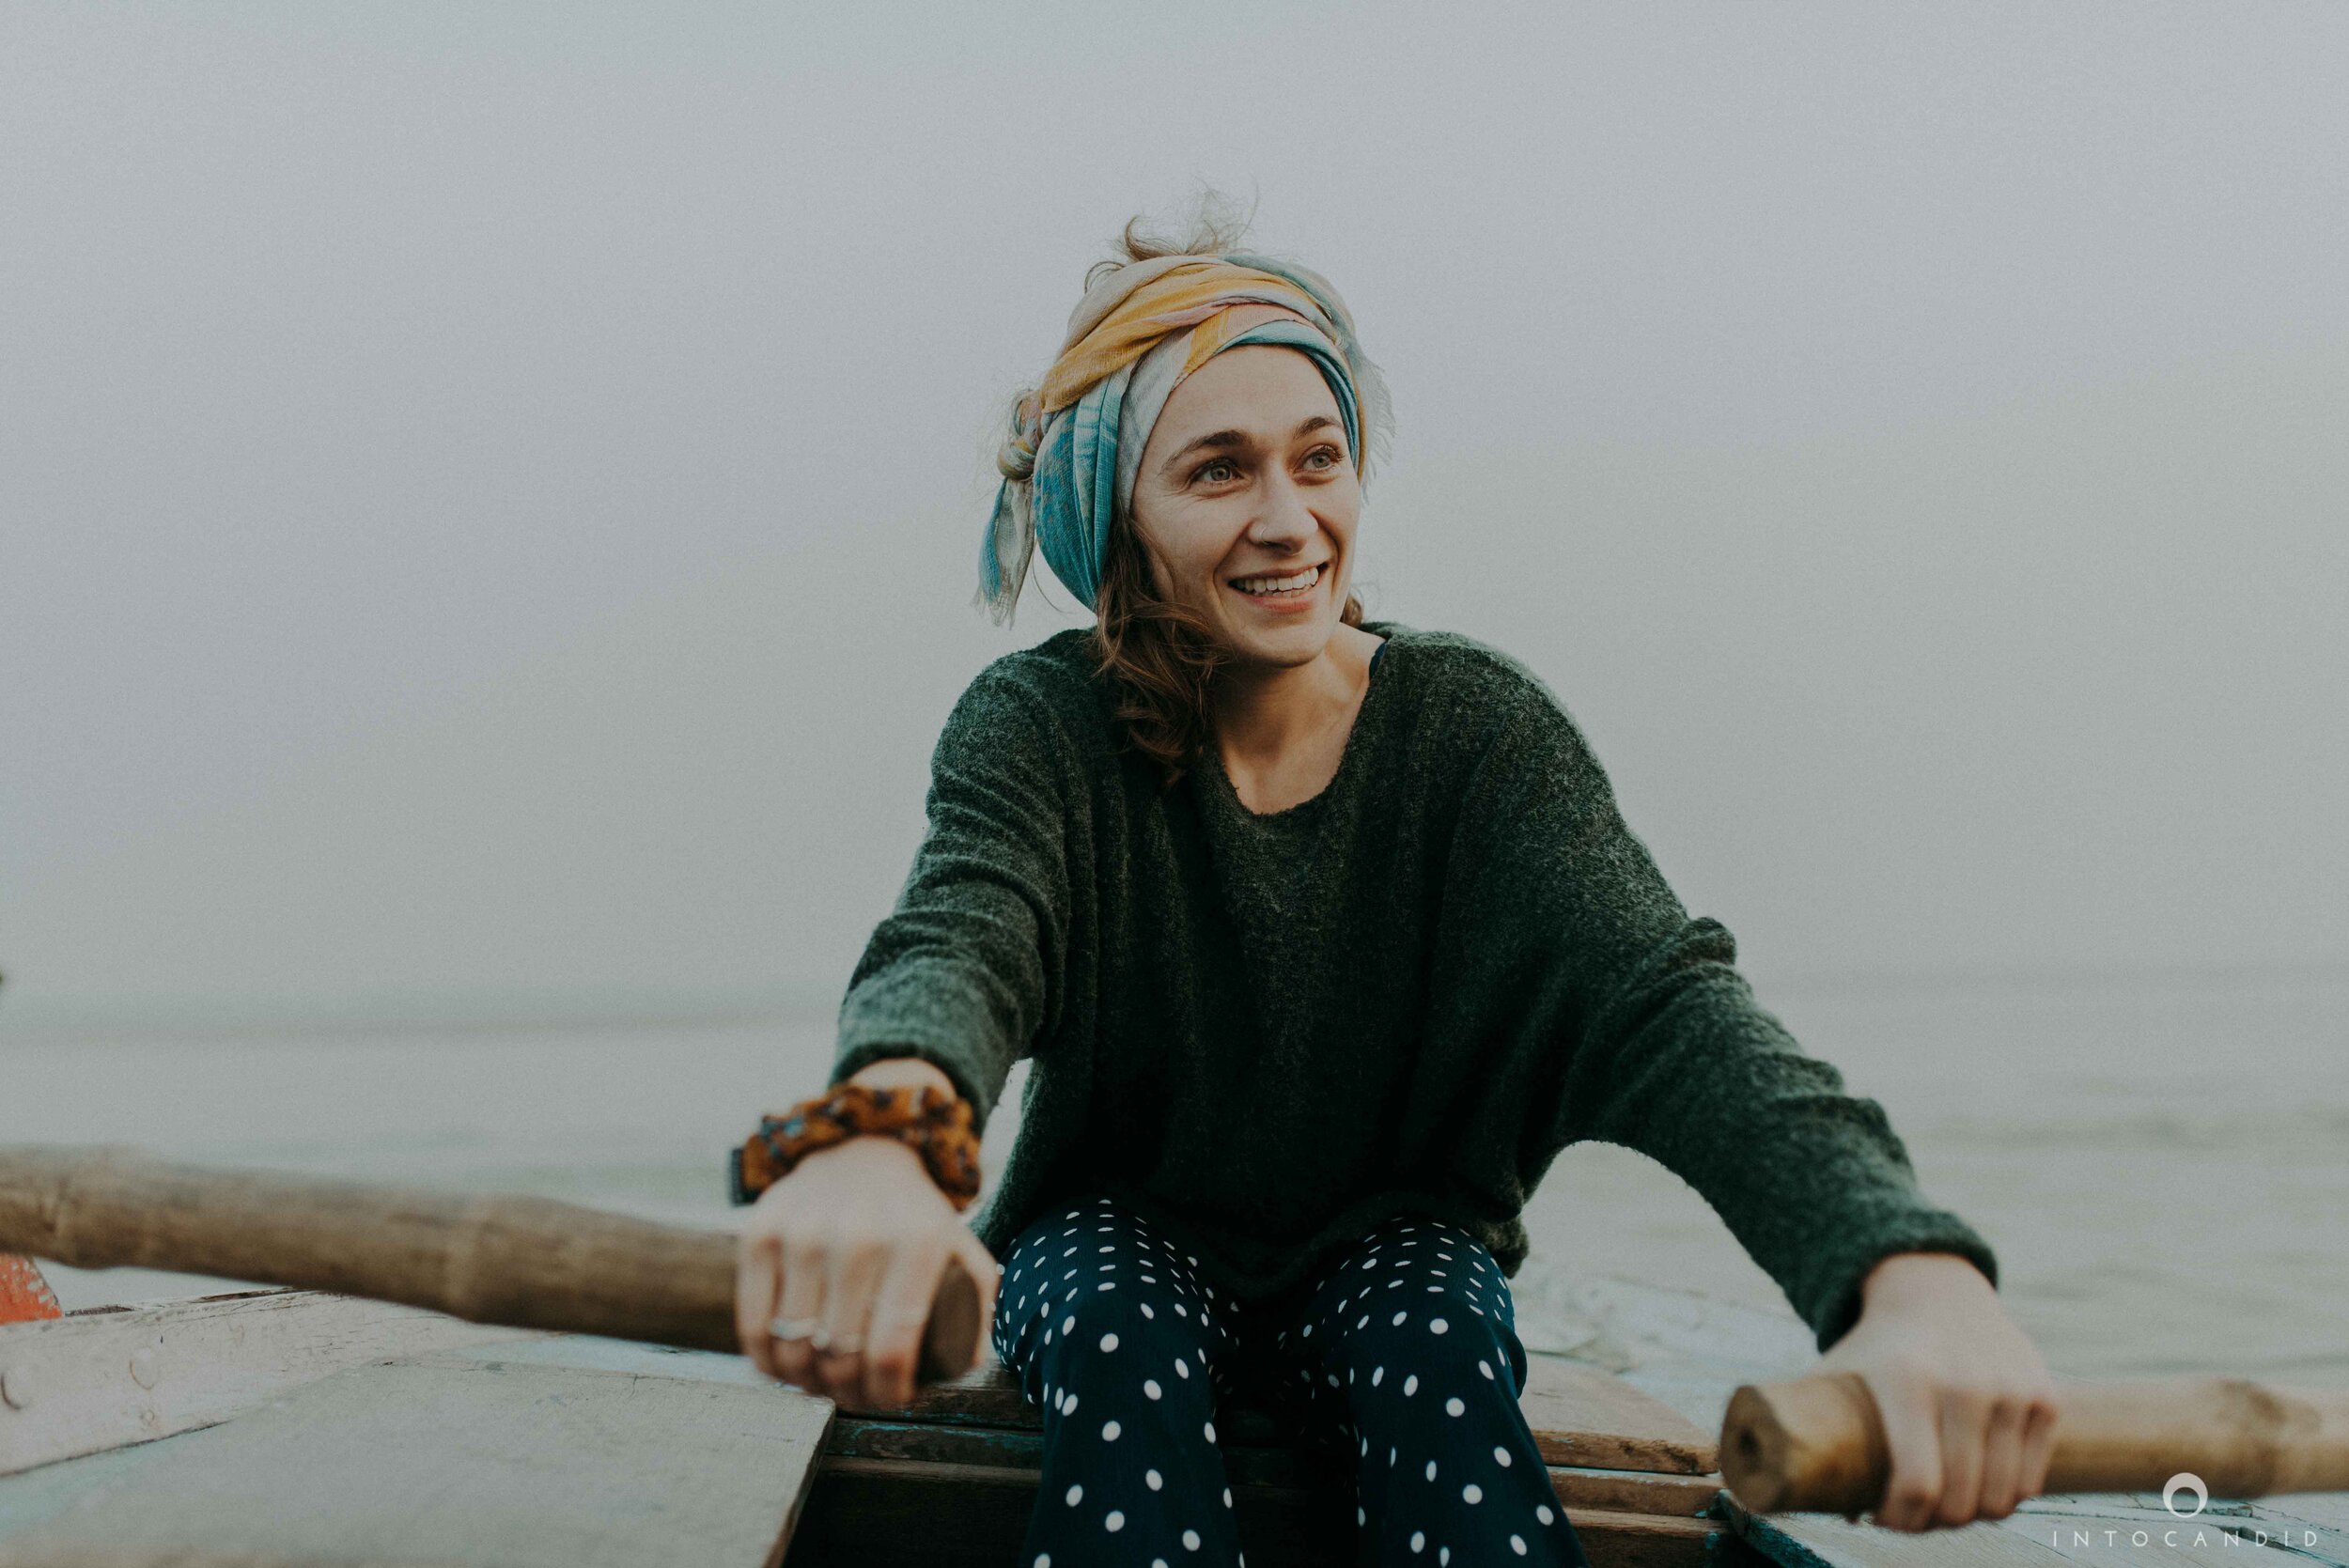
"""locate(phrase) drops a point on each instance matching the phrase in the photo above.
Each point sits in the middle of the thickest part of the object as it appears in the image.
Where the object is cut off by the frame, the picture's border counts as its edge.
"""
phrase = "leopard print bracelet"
(935, 1124)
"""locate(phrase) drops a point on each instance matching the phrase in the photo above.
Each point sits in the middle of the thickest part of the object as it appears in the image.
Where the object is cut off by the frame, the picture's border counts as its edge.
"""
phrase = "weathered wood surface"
(975, 1430)
(529, 1263)
(457, 1461)
(899, 1514)
(1816, 1443)
(92, 1381)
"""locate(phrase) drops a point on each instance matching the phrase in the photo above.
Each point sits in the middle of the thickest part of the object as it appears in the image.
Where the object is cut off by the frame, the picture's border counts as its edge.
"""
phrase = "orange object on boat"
(25, 1296)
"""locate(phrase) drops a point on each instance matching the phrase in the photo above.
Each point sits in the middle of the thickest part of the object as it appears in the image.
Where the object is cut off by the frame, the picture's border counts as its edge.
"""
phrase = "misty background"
(490, 499)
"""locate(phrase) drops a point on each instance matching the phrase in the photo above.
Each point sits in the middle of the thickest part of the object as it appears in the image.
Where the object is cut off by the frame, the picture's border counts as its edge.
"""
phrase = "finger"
(901, 1313)
(754, 1297)
(1912, 1443)
(848, 1291)
(1965, 1415)
(2002, 1459)
(2039, 1429)
(800, 1297)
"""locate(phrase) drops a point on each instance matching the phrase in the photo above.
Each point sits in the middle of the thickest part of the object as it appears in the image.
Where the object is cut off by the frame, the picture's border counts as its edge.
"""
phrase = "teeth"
(1305, 578)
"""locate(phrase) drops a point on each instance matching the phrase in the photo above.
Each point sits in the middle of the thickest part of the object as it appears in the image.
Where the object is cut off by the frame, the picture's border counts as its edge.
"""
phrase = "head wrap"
(1075, 444)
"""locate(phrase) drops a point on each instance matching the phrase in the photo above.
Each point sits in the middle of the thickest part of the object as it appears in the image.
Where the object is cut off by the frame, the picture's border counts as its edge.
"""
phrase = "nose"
(1285, 522)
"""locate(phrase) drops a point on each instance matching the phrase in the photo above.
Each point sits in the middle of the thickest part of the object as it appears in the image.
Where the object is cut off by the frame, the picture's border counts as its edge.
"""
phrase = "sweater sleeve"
(965, 972)
(1634, 1026)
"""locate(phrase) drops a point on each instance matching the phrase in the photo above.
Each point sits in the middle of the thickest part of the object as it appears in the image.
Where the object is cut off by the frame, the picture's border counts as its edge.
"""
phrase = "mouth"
(1281, 590)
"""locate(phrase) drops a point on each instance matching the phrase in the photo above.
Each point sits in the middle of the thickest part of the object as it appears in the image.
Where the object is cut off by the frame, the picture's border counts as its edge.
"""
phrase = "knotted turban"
(1075, 442)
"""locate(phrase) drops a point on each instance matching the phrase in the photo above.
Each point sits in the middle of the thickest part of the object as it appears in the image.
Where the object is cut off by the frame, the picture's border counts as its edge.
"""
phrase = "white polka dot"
(1156, 1479)
(1075, 1496)
(1210, 1430)
(1431, 1469)
(1361, 1320)
(1227, 1497)
(1377, 1375)
(1487, 1367)
(1541, 1511)
(1070, 1409)
(1516, 1544)
(1360, 1518)
(1410, 1385)
(1108, 1342)
(1500, 1457)
(1453, 1406)
(1067, 1322)
(1191, 1540)
(1436, 1326)
(1178, 1310)
(1472, 1493)
(1043, 1559)
(1418, 1540)
(1150, 1387)
(1444, 1555)
(1116, 1522)
(1106, 1284)
(1333, 1379)
(1180, 1368)
(1109, 1431)
(1400, 1316)
(1147, 1312)
(1391, 1459)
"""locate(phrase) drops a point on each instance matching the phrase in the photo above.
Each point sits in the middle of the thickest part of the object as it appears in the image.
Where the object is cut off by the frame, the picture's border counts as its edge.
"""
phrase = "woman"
(1325, 935)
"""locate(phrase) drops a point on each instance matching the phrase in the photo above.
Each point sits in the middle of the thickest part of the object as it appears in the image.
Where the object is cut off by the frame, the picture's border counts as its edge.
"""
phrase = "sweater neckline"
(1350, 758)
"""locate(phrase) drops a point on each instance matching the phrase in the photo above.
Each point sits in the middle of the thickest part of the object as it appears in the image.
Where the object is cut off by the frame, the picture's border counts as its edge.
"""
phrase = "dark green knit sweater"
(1269, 1033)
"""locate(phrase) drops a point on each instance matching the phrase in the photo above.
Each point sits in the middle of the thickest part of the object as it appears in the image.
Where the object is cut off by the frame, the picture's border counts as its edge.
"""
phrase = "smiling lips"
(1285, 591)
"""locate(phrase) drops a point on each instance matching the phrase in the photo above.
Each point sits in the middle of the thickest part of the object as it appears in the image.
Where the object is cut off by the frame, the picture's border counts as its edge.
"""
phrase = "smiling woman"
(1326, 936)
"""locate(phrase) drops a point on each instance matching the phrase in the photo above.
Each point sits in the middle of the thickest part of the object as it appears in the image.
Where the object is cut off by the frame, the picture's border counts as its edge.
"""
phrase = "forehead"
(1260, 389)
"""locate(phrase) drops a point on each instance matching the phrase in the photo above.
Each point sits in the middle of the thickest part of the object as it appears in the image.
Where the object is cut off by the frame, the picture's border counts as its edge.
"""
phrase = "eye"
(1208, 471)
(1324, 457)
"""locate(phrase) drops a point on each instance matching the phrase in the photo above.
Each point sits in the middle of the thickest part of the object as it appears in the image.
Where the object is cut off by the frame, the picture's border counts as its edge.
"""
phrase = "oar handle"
(1816, 1443)
(525, 1263)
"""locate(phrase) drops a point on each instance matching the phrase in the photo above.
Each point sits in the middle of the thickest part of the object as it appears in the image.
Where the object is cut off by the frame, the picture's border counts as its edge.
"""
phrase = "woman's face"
(1247, 503)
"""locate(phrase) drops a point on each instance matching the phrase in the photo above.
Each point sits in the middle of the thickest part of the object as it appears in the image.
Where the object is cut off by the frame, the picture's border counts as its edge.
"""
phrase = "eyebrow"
(1237, 438)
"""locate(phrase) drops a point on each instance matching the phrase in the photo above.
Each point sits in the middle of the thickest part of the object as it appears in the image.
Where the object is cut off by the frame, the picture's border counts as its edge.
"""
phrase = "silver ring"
(843, 1345)
(794, 1327)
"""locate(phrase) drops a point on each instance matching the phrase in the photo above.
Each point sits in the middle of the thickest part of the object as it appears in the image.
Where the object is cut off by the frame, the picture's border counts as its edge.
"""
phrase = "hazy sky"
(490, 494)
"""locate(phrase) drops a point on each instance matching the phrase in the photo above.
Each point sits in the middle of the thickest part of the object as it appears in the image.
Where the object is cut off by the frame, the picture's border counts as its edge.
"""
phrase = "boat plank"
(913, 1513)
(459, 1463)
(1578, 1486)
(1580, 1414)
(91, 1381)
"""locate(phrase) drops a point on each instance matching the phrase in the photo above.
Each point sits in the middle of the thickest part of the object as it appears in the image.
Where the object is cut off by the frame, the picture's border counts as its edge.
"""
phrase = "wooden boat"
(281, 1427)
(286, 1426)
(289, 1426)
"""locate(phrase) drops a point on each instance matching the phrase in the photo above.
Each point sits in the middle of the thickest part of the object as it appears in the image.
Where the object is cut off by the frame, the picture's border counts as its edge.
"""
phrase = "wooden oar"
(526, 1262)
(1816, 1443)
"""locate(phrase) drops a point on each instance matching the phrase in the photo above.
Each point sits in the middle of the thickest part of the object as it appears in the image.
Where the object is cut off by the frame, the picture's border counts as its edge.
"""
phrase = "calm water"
(2163, 1168)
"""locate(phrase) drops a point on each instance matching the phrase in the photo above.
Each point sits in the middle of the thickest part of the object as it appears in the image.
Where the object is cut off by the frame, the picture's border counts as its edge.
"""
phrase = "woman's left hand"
(1968, 1403)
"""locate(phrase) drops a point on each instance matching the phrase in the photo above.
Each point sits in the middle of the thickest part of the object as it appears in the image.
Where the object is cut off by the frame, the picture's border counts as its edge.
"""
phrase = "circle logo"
(2185, 1481)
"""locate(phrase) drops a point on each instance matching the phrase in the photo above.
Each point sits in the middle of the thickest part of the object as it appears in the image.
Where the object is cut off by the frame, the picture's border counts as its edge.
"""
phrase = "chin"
(1286, 647)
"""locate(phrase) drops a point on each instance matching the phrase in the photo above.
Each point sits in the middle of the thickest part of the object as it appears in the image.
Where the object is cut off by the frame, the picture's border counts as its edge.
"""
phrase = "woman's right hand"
(855, 1237)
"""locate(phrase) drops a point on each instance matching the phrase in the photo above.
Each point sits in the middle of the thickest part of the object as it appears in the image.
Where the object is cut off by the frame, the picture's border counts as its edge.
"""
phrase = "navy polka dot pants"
(1403, 1355)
